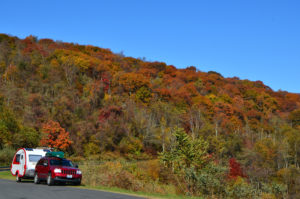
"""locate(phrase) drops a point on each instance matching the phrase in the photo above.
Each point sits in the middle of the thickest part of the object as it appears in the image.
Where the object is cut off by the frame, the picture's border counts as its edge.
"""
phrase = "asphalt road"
(28, 190)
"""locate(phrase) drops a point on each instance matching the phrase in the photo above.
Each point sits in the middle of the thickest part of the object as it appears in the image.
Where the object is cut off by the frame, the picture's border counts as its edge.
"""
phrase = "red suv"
(54, 169)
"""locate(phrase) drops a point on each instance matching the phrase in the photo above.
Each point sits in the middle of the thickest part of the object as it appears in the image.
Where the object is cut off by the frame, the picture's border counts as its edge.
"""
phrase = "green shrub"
(6, 156)
(26, 137)
(131, 145)
(239, 188)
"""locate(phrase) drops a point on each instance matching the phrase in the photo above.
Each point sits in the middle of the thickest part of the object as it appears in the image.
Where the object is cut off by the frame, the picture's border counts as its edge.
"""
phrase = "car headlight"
(57, 170)
(78, 172)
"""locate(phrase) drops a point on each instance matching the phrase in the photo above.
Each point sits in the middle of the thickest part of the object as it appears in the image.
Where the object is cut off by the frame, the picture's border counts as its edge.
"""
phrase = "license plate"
(69, 176)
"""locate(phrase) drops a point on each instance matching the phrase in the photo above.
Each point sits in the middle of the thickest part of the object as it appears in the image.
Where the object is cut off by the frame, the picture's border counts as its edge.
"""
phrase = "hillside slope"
(111, 103)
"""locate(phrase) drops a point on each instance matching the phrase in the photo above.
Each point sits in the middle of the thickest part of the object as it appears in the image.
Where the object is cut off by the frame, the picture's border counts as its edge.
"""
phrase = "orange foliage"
(133, 81)
(55, 136)
(164, 93)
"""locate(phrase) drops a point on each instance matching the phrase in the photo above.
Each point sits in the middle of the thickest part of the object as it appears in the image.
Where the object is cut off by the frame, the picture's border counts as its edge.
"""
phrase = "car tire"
(18, 178)
(77, 183)
(36, 179)
(50, 180)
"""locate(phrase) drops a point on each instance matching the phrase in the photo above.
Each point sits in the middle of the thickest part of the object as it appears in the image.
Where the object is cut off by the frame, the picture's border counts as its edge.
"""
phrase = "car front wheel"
(36, 179)
(50, 180)
(77, 183)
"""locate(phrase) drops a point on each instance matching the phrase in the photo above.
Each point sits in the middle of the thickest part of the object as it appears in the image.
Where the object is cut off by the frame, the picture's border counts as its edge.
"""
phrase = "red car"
(54, 169)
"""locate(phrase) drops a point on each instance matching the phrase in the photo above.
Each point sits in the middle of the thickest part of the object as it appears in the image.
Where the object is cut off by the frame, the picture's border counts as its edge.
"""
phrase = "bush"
(240, 189)
(131, 145)
(6, 156)
(209, 180)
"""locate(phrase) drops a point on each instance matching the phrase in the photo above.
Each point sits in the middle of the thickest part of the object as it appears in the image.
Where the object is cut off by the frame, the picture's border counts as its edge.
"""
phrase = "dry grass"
(135, 176)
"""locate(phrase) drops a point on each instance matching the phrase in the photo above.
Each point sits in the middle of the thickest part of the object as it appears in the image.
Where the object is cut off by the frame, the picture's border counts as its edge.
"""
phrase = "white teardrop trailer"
(24, 161)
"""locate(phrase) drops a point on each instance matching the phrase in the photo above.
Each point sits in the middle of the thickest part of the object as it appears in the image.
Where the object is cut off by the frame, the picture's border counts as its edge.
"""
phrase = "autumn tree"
(55, 136)
(131, 82)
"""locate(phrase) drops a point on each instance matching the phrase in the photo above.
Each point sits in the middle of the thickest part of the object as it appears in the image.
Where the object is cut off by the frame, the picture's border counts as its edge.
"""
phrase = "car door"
(39, 167)
(45, 169)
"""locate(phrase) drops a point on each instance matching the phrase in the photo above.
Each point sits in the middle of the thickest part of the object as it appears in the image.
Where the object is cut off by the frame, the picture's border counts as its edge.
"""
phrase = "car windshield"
(57, 162)
(34, 158)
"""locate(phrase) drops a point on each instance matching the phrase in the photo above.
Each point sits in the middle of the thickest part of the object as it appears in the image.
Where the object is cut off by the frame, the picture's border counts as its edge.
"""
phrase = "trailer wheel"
(18, 178)
(36, 179)
(50, 180)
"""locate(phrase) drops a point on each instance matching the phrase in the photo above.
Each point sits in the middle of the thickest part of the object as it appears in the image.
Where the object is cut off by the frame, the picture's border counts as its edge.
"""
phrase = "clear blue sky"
(250, 39)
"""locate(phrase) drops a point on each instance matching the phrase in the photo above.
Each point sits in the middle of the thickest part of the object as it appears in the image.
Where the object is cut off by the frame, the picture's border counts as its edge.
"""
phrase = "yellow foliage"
(131, 145)
(54, 63)
(153, 169)
(80, 60)
(267, 149)
(267, 196)
(91, 149)
(116, 167)
(212, 97)
(107, 97)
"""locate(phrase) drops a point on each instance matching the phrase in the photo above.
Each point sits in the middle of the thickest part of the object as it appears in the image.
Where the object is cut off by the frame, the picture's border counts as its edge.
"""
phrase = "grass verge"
(138, 193)
(7, 175)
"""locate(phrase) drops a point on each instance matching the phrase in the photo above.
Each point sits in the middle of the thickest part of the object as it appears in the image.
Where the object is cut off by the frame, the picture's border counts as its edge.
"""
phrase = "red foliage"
(46, 42)
(171, 70)
(106, 82)
(31, 45)
(110, 112)
(235, 169)
(187, 75)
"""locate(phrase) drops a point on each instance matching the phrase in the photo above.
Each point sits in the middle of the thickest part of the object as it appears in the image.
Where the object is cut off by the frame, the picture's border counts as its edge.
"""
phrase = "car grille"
(69, 172)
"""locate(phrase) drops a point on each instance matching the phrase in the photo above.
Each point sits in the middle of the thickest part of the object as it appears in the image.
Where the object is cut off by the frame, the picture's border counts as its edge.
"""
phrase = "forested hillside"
(213, 136)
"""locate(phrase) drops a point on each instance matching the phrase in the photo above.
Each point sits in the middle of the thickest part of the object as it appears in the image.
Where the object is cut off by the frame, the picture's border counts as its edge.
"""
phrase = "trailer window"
(17, 159)
(34, 158)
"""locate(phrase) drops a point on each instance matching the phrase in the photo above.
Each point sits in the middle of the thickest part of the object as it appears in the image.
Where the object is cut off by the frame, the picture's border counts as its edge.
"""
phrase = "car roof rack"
(58, 154)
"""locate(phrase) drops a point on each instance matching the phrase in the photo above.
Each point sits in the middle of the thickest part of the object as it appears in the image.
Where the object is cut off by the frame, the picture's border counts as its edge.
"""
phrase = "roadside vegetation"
(147, 126)
(6, 156)
(6, 175)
